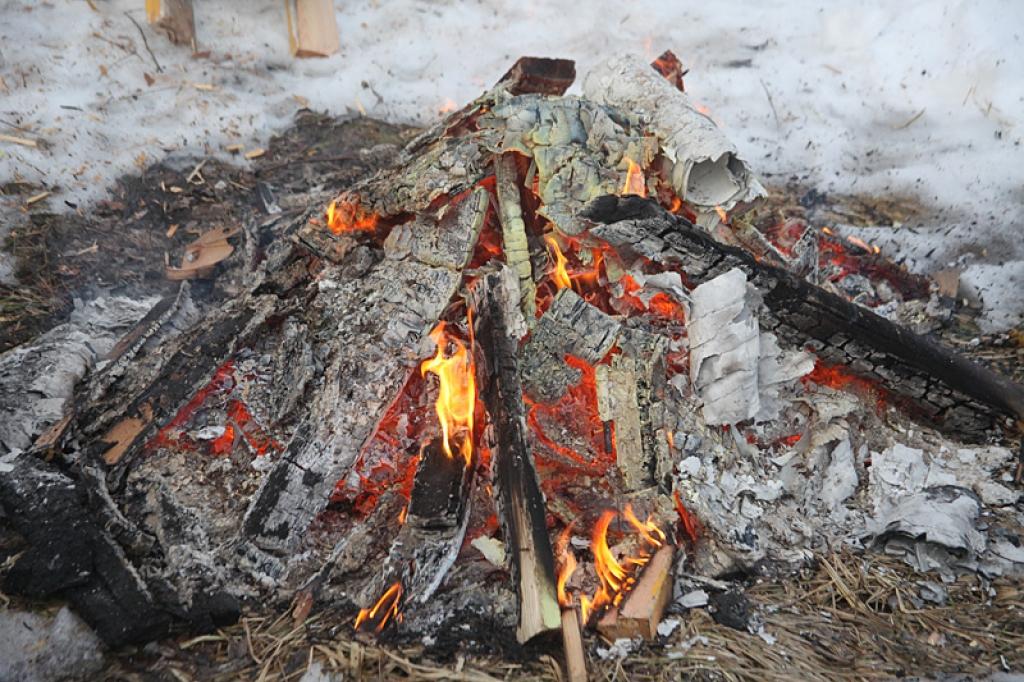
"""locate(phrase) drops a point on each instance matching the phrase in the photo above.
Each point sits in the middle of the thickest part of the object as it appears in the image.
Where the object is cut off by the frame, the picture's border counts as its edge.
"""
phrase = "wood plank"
(641, 611)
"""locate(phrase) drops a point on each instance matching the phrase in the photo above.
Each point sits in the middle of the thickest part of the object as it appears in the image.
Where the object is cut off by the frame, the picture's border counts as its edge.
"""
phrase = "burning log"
(433, 529)
(520, 501)
(391, 304)
(941, 386)
(640, 612)
(704, 166)
(571, 326)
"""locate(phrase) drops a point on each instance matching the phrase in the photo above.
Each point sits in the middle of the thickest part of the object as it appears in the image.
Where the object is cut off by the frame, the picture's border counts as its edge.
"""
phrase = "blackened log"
(73, 555)
(434, 525)
(519, 498)
(941, 386)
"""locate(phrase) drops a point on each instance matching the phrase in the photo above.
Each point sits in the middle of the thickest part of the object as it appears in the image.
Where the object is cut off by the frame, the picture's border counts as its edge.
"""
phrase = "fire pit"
(549, 373)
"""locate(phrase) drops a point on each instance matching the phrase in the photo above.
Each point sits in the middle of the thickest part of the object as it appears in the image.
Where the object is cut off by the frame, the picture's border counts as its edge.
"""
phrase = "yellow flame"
(386, 606)
(558, 273)
(722, 215)
(648, 530)
(635, 181)
(456, 395)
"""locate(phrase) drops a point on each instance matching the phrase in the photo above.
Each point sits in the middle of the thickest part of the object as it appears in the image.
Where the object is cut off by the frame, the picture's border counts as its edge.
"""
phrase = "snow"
(921, 98)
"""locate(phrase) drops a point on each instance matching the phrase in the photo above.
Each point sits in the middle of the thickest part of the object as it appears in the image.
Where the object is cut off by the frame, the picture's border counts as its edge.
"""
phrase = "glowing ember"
(386, 608)
(635, 181)
(690, 523)
(559, 274)
(349, 216)
(456, 396)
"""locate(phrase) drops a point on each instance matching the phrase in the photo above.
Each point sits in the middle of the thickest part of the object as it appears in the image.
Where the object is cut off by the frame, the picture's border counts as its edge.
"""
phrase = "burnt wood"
(520, 501)
(937, 384)
(539, 75)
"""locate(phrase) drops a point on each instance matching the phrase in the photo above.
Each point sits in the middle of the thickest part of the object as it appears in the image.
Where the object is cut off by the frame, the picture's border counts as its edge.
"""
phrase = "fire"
(648, 530)
(568, 566)
(448, 106)
(349, 216)
(456, 396)
(616, 579)
(559, 273)
(635, 181)
(690, 523)
(383, 611)
(722, 215)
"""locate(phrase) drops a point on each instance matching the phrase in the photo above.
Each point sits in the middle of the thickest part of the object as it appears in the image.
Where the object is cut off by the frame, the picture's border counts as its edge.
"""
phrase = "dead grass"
(851, 617)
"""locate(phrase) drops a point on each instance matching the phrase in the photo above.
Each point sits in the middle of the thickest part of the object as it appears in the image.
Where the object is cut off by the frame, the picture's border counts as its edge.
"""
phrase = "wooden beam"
(495, 301)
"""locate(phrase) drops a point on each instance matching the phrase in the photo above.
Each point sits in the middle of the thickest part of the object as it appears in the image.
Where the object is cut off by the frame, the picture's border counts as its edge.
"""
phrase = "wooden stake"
(314, 32)
(572, 643)
(641, 611)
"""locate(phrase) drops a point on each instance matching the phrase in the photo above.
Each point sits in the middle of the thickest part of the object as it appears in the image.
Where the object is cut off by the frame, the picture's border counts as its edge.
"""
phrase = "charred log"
(941, 386)
(520, 501)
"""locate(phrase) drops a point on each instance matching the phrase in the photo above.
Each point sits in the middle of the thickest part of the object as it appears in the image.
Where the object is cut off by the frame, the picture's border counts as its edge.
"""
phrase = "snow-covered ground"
(916, 97)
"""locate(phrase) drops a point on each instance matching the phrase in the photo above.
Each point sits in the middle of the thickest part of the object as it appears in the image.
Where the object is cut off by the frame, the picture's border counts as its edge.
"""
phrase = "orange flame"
(559, 273)
(384, 610)
(349, 216)
(722, 215)
(648, 530)
(456, 396)
(568, 567)
(635, 181)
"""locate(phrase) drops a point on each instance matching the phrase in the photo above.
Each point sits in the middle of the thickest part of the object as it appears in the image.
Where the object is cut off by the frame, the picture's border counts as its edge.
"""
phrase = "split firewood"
(945, 388)
(495, 300)
(175, 18)
(640, 612)
(572, 645)
(314, 31)
(704, 166)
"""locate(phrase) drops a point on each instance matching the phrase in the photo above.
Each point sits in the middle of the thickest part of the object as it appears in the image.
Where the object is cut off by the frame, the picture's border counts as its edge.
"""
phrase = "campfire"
(549, 374)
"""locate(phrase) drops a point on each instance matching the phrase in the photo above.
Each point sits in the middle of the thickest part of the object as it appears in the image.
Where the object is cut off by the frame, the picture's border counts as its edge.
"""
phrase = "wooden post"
(175, 18)
(520, 501)
(312, 28)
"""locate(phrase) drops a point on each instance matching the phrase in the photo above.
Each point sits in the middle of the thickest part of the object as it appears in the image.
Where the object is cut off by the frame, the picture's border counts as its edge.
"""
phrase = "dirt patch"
(122, 243)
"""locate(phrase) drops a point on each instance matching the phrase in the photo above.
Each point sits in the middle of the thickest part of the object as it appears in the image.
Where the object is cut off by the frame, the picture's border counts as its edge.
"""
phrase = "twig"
(771, 103)
(159, 69)
(911, 121)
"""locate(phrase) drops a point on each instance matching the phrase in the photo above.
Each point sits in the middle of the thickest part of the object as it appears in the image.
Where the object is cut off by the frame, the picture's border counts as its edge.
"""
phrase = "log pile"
(200, 469)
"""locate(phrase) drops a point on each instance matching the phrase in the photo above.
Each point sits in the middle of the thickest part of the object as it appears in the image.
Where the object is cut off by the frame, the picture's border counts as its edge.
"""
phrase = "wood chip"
(171, 230)
(206, 87)
(255, 153)
(234, 148)
(37, 198)
(23, 141)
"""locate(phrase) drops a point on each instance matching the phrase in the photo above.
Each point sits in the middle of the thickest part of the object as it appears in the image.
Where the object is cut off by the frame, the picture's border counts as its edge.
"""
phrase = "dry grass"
(852, 617)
